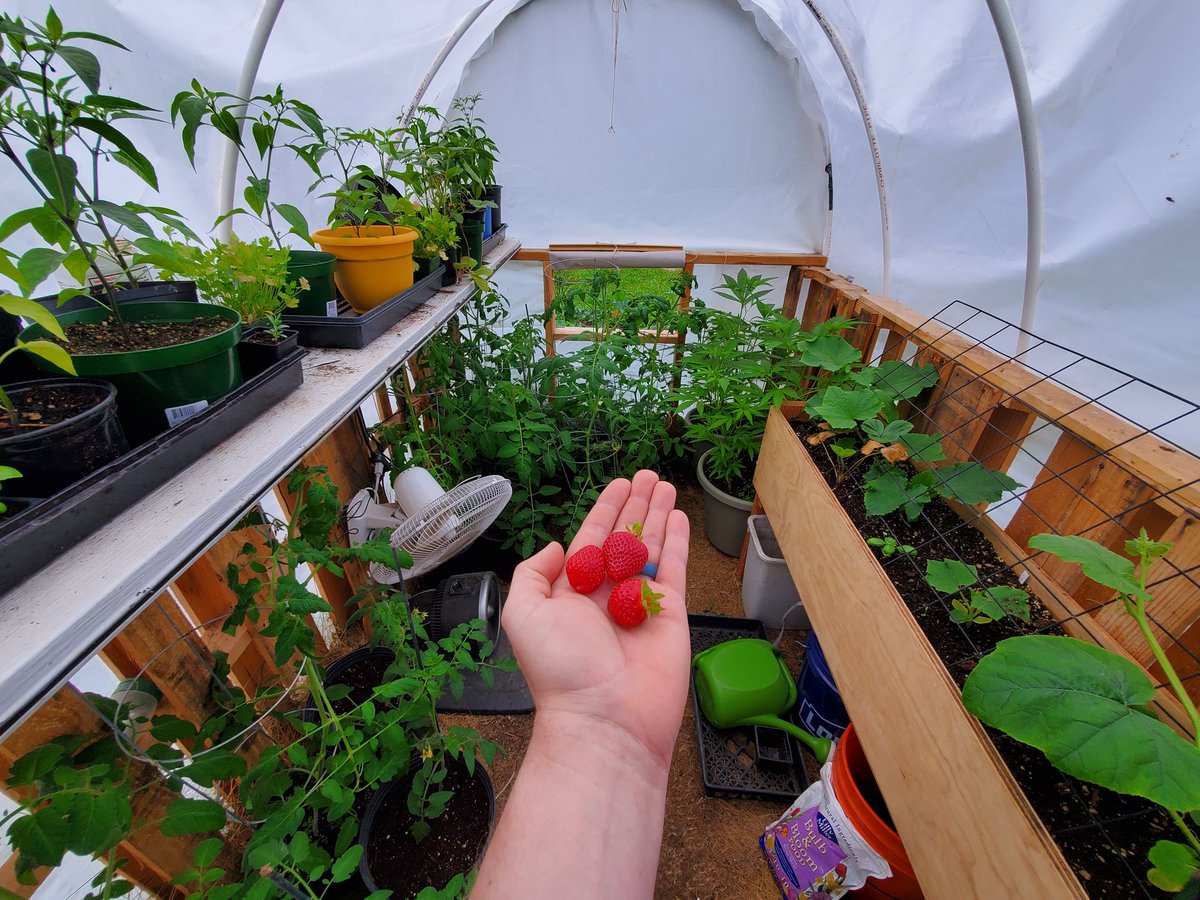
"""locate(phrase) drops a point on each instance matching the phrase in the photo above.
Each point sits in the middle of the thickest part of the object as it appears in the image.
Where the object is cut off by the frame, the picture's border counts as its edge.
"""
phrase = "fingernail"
(650, 570)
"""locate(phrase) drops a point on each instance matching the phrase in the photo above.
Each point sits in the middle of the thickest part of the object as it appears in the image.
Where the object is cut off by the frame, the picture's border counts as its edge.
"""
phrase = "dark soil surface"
(45, 406)
(110, 337)
(366, 674)
(264, 338)
(457, 838)
(1105, 836)
(742, 488)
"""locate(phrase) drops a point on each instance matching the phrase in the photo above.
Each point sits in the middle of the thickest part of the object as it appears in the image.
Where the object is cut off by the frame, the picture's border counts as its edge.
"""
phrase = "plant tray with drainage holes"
(44, 530)
(728, 758)
(353, 331)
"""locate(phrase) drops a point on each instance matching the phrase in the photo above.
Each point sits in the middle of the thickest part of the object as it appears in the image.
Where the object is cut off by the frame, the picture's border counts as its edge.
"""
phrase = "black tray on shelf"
(349, 330)
(37, 535)
(728, 760)
(493, 240)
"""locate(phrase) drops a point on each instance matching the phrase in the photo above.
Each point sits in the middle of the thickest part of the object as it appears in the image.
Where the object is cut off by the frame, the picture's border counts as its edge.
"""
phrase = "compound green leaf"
(831, 353)
(845, 409)
(186, 816)
(972, 482)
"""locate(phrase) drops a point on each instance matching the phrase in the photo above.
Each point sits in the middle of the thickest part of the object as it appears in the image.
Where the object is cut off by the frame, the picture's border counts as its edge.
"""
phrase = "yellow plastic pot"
(374, 262)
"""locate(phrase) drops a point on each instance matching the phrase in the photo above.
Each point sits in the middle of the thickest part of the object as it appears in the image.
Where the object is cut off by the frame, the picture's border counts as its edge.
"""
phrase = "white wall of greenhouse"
(725, 111)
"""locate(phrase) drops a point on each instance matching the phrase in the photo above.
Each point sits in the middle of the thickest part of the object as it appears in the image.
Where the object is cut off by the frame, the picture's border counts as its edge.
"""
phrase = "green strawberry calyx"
(650, 600)
(635, 529)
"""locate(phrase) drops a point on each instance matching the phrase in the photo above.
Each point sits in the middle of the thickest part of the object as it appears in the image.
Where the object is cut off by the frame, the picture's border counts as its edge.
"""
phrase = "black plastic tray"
(494, 239)
(352, 331)
(37, 535)
(727, 756)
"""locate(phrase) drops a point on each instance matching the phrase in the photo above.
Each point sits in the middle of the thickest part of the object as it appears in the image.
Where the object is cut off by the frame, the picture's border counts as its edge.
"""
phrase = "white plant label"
(331, 309)
(177, 415)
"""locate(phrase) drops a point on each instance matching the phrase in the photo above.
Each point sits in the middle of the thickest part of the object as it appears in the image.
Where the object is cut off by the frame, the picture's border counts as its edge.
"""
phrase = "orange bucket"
(374, 262)
(851, 778)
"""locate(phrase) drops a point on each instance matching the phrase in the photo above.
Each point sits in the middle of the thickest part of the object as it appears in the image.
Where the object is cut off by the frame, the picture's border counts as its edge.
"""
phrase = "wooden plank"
(1147, 456)
(587, 333)
(894, 345)
(56, 622)
(151, 860)
(818, 306)
(966, 828)
(791, 293)
(959, 408)
(999, 443)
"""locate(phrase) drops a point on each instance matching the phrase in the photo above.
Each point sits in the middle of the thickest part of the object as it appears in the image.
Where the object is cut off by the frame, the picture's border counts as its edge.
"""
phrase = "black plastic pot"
(257, 357)
(492, 218)
(449, 273)
(175, 291)
(391, 802)
(426, 265)
(367, 663)
(17, 367)
(53, 457)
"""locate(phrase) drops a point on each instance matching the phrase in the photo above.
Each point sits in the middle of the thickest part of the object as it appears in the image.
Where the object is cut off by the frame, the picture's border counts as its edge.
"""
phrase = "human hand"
(579, 664)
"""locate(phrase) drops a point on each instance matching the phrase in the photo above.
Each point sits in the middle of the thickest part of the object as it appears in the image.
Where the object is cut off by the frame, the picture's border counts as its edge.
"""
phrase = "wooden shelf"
(55, 621)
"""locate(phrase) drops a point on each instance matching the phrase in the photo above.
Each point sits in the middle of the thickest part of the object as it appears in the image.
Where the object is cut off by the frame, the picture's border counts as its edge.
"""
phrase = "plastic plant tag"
(177, 415)
(814, 851)
(331, 309)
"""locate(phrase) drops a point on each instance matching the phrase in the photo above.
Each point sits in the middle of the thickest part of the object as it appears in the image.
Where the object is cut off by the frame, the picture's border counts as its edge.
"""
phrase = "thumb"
(535, 575)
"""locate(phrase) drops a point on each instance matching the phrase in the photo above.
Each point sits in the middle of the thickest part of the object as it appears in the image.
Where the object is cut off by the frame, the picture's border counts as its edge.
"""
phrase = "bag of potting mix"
(814, 851)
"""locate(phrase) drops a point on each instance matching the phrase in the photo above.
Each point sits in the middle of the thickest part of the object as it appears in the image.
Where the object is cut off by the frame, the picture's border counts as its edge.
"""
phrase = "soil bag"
(814, 851)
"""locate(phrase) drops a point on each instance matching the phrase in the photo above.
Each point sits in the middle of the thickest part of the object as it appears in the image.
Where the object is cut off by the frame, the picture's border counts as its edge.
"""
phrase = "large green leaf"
(1099, 563)
(950, 575)
(84, 64)
(890, 489)
(40, 837)
(1082, 706)
(57, 173)
(972, 482)
(31, 309)
(831, 353)
(52, 353)
(886, 432)
(214, 765)
(37, 265)
(845, 409)
(901, 380)
(186, 816)
(294, 218)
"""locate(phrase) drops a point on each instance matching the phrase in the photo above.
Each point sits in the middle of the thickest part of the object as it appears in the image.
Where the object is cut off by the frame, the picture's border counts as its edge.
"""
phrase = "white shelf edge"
(57, 619)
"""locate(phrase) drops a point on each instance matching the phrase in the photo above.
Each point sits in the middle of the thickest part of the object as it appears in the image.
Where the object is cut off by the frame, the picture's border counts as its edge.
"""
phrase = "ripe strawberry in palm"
(624, 553)
(585, 569)
(632, 601)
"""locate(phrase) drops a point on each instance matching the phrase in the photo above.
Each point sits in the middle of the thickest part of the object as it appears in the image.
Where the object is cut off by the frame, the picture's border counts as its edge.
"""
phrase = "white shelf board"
(56, 620)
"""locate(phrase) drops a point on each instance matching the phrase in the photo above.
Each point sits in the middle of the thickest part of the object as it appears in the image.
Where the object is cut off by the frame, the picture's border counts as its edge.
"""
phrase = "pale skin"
(585, 816)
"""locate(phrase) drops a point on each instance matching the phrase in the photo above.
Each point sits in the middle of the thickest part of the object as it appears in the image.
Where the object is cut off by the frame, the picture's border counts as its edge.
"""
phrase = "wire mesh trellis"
(1102, 455)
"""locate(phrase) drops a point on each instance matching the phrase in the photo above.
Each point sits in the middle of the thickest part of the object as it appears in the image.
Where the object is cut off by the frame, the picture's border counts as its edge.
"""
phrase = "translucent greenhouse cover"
(710, 123)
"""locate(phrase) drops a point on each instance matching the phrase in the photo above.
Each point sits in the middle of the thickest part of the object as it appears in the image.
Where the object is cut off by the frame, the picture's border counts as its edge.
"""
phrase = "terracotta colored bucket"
(851, 777)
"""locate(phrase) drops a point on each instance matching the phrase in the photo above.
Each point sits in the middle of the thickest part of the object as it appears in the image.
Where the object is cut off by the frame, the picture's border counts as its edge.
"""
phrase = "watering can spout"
(820, 747)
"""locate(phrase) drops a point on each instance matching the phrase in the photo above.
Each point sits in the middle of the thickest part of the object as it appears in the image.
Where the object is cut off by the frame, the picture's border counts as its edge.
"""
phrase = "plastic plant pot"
(724, 515)
(492, 218)
(699, 448)
(768, 593)
(317, 268)
(425, 266)
(772, 747)
(449, 273)
(856, 791)
(161, 387)
(168, 291)
(52, 458)
(374, 262)
(362, 669)
(472, 233)
(257, 353)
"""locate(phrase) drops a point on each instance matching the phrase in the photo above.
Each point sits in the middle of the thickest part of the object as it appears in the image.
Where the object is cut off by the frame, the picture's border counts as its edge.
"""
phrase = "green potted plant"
(275, 121)
(471, 154)
(438, 236)
(167, 359)
(367, 229)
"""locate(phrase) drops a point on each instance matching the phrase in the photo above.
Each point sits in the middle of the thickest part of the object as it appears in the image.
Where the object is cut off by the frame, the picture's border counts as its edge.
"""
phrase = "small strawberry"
(585, 569)
(624, 553)
(631, 601)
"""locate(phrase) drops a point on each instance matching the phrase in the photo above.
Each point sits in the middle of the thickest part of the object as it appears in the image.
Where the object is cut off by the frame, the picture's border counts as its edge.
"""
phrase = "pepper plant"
(1088, 710)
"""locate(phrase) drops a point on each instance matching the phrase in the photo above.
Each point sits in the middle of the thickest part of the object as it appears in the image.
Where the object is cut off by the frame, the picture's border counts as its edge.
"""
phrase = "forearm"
(585, 817)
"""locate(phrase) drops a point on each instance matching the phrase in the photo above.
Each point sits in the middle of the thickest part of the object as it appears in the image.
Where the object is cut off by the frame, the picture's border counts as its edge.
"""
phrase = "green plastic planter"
(316, 267)
(472, 233)
(159, 388)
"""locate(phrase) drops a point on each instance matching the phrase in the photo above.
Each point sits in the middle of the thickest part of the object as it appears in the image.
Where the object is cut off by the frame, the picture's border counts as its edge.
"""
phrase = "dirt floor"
(710, 844)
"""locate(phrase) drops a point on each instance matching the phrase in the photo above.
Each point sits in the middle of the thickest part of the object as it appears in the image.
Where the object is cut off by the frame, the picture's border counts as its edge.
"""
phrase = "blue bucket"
(821, 710)
(487, 222)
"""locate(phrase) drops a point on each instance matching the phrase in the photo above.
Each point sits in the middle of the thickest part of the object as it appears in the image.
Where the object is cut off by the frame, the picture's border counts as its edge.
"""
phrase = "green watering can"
(745, 682)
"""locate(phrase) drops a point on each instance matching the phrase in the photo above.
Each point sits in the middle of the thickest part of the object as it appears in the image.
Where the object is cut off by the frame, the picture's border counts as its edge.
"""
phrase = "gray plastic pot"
(768, 593)
(724, 515)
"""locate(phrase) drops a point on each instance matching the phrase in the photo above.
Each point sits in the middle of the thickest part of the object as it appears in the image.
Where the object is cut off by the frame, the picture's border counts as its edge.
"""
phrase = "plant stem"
(1187, 832)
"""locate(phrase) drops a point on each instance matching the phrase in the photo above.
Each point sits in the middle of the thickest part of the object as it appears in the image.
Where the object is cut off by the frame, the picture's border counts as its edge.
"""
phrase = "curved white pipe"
(1031, 148)
(467, 21)
(860, 97)
(229, 161)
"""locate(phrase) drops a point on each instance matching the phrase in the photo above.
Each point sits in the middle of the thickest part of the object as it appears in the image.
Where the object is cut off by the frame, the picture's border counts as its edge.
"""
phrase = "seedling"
(889, 546)
(971, 605)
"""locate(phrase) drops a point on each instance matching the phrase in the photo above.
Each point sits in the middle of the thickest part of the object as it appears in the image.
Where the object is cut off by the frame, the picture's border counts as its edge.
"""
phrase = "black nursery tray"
(349, 330)
(494, 239)
(32, 538)
(727, 755)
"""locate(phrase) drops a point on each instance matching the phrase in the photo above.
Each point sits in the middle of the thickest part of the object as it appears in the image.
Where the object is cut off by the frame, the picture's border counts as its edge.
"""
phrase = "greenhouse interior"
(599, 448)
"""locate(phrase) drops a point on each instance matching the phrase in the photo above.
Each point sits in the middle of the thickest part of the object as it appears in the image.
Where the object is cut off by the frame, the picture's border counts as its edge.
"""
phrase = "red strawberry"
(585, 569)
(631, 601)
(624, 553)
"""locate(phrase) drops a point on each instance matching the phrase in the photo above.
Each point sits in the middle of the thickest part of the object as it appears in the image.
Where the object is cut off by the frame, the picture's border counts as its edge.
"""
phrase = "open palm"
(576, 659)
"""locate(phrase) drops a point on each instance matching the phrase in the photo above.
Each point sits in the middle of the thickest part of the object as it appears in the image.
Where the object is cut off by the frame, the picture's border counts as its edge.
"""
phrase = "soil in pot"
(66, 429)
(361, 671)
(1104, 836)
(454, 844)
(110, 336)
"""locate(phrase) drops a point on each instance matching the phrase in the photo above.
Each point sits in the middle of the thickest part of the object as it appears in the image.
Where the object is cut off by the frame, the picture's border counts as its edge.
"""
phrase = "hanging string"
(612, 108)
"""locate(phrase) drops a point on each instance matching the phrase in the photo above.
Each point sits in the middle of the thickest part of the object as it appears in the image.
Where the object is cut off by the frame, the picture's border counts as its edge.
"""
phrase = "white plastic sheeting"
(724, 113)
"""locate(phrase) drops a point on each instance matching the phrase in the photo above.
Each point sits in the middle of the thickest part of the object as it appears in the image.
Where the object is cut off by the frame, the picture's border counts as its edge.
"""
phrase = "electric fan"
(429, 524)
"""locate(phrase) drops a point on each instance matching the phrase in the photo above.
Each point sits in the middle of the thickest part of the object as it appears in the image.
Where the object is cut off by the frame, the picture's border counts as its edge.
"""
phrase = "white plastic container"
(767, 588)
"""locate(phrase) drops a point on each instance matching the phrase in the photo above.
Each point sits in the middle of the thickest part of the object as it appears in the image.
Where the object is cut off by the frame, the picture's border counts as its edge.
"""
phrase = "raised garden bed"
(968, 827)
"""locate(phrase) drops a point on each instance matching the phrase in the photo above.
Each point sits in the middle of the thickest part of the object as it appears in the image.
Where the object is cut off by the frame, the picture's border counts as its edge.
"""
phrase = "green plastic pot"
(473, 240)
(316, 267)
(159, 388)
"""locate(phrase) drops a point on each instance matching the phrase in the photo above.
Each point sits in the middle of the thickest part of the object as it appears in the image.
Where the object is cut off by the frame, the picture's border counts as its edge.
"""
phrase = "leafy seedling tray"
(40, 533)
(350, 330)
(728, 757)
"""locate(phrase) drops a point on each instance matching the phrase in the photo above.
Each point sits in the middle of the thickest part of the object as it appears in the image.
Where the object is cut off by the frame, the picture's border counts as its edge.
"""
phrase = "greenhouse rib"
(56, 620)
